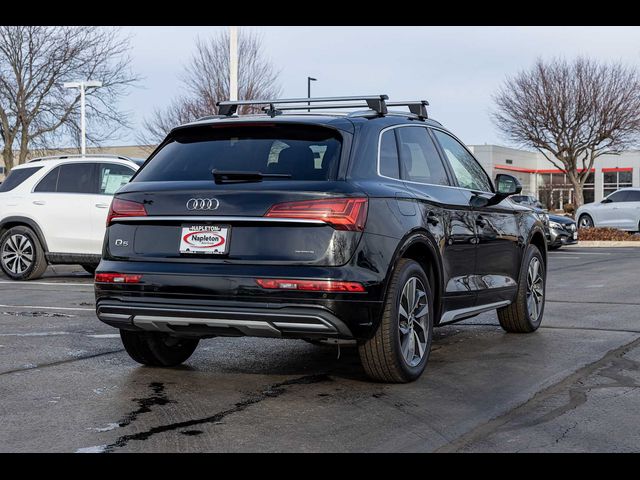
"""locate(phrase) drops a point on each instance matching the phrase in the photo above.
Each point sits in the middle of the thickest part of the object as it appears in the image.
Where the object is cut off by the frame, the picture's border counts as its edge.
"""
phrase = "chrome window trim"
(382, 132)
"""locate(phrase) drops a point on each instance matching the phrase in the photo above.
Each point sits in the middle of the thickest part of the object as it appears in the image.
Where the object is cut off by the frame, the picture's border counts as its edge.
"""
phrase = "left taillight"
(117, 278)
(125, 208)
(340, 213)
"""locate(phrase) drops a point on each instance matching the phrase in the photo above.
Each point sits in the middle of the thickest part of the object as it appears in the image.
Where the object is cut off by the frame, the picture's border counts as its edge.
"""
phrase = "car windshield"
(296, 152)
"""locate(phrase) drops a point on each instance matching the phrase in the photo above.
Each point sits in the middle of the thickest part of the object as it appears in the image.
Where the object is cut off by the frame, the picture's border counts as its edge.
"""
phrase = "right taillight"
(340, 213)
(125, 208)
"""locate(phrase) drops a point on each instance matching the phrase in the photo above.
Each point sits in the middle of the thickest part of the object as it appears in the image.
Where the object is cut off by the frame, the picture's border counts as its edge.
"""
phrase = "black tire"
(517, 317)
(32, 249)
(91, 269)
(585, 221)
(381, 355)
(157, 349)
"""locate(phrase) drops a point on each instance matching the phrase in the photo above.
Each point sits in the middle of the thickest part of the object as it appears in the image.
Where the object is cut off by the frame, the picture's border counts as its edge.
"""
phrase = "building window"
(508, 161)
(616, 180)
(555, 190)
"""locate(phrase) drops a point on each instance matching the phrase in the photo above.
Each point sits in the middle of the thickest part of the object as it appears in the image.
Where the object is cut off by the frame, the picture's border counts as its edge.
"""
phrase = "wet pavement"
(67, 385)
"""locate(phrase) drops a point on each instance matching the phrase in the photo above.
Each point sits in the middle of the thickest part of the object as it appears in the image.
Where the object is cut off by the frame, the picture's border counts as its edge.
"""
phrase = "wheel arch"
(580, 213)
(419, 245)
(538, 239)
(17, 221)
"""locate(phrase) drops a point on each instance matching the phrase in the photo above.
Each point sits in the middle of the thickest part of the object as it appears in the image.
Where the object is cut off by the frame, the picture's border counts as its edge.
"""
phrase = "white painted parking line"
(578, 253)
(40, 307)
(35, 334)
(64, 284)
(105, 335)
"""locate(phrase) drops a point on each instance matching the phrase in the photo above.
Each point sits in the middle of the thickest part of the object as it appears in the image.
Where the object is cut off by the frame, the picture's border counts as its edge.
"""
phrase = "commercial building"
(541, 178)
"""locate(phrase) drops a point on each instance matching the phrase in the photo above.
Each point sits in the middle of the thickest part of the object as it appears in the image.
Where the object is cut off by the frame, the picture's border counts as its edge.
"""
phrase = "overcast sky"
(456, 68)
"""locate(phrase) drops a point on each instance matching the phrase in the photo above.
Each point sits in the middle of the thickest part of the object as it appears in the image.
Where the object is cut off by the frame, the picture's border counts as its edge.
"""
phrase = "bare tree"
(571, 112)
(35, 109)
(206, 81)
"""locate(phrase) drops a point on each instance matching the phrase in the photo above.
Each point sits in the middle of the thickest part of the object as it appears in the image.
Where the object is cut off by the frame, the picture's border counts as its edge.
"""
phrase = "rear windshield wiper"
(226, 176)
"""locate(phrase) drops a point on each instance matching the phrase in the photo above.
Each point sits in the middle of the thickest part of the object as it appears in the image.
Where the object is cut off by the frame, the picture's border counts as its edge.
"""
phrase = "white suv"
(54, 210)
(620, 210)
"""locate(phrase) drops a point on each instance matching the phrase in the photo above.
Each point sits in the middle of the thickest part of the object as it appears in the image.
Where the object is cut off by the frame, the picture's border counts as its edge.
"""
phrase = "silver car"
(619, 210)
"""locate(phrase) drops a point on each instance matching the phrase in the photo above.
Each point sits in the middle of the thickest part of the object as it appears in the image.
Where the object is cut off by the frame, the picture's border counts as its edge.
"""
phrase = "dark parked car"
(371, 226)
(562, 231)
(559, 230)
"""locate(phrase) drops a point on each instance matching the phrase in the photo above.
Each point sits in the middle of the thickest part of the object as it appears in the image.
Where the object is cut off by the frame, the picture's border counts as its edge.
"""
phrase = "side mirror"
(606, 200)
(507, 185)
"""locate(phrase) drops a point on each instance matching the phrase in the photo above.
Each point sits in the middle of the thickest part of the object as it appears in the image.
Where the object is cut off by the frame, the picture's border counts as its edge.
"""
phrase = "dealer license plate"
(205, 239)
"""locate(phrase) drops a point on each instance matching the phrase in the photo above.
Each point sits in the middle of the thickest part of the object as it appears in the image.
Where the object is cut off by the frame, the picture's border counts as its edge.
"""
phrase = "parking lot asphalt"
(67, 385)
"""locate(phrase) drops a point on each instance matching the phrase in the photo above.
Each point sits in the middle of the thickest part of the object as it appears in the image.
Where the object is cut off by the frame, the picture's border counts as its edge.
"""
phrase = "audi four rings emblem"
(203, 204)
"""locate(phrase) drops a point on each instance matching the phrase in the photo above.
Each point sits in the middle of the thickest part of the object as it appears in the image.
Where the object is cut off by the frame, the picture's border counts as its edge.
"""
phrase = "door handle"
(102, 205)
(432, 219)
(39, 202)
(481, 222)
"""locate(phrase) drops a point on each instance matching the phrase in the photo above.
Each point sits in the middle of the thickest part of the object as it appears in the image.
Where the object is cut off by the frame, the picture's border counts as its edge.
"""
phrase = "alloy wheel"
(413, 318)
(535, 289)
(17, 254)
(585, 222)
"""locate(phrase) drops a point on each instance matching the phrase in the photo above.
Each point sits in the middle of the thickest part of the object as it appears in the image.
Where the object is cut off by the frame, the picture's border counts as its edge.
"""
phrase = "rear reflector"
(309, 285)
(125, 208)
(117, 278)
(341, 213)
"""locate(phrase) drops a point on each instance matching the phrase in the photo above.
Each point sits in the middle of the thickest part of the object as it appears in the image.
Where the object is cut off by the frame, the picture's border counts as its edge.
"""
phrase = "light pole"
(309, 80)
(233, 63)
(83, 86)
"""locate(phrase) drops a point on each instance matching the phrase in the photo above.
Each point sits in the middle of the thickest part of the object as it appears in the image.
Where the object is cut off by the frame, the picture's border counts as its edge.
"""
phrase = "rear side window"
(49, 182)
(301, 151)
(419, 157)
(70, 178)
(389, 162)
(16, 177)
(77, 178)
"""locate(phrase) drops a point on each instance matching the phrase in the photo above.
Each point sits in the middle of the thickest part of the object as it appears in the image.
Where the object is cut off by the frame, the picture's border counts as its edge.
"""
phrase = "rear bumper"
(223, 320)
(225, 300)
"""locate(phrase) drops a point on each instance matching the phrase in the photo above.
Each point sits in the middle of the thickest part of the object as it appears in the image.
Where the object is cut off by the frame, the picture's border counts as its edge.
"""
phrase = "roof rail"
(77, 155)
(276, 106)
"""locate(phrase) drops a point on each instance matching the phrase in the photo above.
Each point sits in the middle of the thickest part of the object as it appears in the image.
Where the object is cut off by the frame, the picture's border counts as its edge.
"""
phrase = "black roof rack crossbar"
(418, 108)
(374, 102)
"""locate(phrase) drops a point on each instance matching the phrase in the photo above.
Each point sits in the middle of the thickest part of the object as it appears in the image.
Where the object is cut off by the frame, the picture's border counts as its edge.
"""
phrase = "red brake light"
(117, 278)
(309, 285)
(341, 213)
(125, 208)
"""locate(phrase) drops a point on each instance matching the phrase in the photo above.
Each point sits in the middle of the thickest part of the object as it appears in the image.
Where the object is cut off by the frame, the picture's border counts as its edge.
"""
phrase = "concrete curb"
(605, 243)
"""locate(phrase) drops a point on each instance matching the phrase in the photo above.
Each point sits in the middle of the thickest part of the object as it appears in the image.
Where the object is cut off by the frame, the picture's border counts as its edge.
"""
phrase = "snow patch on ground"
(94, 449)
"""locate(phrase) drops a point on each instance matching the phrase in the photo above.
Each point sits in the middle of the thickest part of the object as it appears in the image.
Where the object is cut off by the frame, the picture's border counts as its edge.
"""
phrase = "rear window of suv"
(16, 177)
(301, 151)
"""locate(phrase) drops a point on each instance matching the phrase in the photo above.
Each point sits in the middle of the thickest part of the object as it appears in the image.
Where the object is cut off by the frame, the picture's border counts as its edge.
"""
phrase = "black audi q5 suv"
(372, 226)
